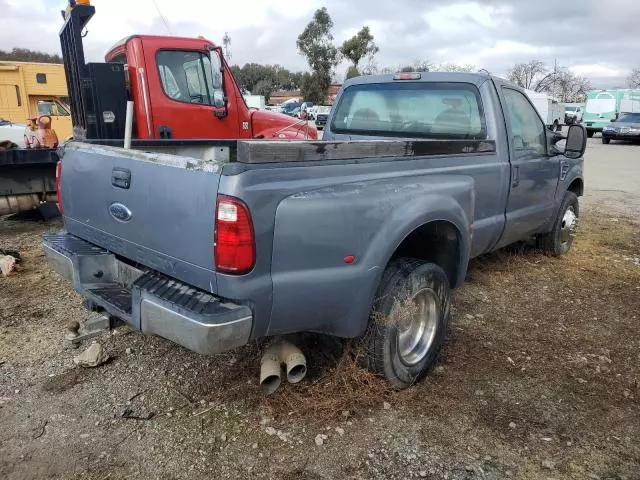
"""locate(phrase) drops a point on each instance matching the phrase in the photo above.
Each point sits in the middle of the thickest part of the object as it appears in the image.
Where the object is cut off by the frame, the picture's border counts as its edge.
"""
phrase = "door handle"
(515, 176)
(121, 177)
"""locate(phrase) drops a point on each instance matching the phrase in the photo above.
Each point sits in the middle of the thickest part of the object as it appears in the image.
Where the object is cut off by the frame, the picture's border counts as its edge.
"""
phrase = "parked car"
(312, 112)
(322, 114)
(572, 114)
(306, 107)
(351, 239)
(627, 127)
(288, 108)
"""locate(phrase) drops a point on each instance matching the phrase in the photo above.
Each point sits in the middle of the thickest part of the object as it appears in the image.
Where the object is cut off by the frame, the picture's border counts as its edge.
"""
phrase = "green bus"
(604, 105)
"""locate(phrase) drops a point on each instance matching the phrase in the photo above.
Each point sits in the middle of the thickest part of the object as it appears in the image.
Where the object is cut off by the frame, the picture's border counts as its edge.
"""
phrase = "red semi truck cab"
(183, 88)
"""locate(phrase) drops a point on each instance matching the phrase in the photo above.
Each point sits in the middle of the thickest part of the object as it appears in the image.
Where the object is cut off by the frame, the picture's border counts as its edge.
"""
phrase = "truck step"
(114, 295)
(177, 293)
(69, 243)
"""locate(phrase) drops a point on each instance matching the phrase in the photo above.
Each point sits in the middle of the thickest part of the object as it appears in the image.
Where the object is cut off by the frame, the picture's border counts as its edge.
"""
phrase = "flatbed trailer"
(28, 178)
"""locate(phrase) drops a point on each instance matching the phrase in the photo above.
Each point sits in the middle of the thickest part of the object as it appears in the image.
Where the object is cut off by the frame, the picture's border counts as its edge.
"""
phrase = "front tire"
(559, 240)
(590, 133)
(408, 321)
(606, 141)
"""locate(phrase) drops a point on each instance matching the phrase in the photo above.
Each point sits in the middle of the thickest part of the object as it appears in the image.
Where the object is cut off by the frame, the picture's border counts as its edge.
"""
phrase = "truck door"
(60, 117)
(191, 96)
(534, 173)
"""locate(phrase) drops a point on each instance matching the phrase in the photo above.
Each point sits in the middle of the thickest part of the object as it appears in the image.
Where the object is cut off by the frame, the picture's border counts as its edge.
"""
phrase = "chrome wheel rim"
(568, 227)
(417, 328)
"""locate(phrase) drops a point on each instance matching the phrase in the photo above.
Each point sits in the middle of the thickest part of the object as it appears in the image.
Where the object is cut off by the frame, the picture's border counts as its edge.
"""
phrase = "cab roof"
(463, 77)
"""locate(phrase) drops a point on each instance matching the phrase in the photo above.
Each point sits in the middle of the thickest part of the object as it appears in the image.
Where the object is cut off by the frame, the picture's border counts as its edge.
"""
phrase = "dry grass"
(346, 386)
(550, 344)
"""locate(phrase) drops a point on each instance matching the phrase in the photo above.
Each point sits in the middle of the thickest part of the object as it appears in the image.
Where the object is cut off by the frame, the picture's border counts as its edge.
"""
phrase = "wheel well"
(577, 187)
(436, 242)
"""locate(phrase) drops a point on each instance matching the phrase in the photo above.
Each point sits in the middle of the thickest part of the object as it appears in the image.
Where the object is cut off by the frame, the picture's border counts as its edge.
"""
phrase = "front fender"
(314, 288)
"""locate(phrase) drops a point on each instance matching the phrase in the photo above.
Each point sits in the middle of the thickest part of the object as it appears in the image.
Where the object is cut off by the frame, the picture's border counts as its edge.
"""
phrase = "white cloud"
(492, 34)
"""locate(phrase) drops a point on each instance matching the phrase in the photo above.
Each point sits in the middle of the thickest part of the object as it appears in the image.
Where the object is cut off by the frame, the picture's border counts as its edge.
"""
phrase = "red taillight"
(234, 247)
(58, 190)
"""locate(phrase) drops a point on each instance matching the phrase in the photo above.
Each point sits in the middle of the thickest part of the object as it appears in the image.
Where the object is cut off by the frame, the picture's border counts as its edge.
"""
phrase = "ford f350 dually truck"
(212, 245)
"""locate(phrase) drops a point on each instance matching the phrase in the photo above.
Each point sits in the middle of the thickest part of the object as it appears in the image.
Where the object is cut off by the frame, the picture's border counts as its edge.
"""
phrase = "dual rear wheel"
(412, 306)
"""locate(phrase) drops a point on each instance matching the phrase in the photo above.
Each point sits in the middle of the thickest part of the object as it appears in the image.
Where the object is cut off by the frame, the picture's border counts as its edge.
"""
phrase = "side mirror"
(576, 142)
(219, 104)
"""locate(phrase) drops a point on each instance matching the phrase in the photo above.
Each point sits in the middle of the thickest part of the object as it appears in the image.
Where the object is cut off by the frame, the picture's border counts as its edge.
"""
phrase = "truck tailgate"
(154, 209)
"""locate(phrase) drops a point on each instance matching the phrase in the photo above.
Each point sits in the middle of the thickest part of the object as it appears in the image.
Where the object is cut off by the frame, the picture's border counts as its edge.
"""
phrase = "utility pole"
(226, 42)
(555, 76)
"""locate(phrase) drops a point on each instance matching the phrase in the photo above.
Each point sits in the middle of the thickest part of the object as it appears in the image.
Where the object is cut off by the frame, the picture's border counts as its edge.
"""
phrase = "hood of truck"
(274, 126)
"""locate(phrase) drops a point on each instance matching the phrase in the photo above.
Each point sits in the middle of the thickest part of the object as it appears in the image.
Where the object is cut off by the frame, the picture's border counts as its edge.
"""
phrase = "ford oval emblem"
(120, 212)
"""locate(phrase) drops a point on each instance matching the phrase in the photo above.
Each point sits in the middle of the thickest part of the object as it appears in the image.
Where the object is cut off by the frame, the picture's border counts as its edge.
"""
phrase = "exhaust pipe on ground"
(271, 365)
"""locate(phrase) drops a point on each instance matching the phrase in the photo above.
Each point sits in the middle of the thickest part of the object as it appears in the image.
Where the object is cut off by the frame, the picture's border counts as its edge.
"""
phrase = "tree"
(314, 87)
(26, 55)
(569, 87)
(454, 67)
(533, 75)
(359, 46)
(263, 87)
(418, 66)
(352, 71)
(267, 78)
(316, 44)
(634, 79)
(558, 82)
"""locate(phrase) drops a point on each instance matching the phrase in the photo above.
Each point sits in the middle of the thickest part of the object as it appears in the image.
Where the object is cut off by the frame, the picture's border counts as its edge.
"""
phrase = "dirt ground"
(539, 379)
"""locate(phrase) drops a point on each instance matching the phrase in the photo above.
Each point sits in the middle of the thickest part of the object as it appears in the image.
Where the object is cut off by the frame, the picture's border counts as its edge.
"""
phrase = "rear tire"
(606, 141)
(559, 240)
(590, 133)
(408, 321)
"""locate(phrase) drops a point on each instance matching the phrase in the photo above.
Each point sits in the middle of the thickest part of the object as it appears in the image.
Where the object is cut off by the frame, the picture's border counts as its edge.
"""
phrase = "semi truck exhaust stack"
(279, 353)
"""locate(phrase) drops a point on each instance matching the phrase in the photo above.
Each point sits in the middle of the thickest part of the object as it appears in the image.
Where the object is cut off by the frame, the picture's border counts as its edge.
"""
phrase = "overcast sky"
(594, 38)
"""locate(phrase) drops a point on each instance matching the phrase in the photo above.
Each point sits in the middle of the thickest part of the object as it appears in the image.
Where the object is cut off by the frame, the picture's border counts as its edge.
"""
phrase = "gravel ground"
(539, 378)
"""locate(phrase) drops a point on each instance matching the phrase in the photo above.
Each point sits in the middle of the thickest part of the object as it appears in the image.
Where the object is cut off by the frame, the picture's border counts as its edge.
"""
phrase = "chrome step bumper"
(149, 301)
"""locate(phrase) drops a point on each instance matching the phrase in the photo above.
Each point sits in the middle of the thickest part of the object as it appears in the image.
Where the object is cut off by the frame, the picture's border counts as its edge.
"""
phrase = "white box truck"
(550, 109)
(255, 101)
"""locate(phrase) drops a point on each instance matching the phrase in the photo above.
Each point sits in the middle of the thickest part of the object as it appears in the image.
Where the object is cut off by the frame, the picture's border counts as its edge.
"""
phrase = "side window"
(51, 107)
(59, 110)
(45, 107)
(527, 130)
(122, 58)
(189, 76)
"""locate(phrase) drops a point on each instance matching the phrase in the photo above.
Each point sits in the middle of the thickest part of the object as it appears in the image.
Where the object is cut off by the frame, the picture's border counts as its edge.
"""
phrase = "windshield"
(601, 105)
(570, 109)
(630, 118)
(416, 109)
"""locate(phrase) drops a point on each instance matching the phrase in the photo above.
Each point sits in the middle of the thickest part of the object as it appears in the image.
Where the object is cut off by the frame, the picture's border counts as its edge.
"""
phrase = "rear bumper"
(147, 300)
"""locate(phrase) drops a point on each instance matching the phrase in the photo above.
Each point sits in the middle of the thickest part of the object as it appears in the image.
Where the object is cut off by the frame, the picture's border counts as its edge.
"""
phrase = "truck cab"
(31, 89)
(183, 88)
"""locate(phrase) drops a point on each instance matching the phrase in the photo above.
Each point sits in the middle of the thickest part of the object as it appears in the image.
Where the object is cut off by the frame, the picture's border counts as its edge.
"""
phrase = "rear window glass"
(416, 109)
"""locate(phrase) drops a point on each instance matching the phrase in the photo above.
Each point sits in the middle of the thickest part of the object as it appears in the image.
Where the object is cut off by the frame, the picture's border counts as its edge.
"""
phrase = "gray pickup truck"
(214, 244)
